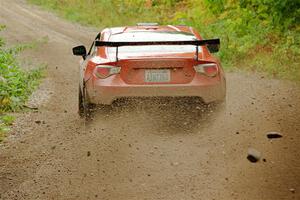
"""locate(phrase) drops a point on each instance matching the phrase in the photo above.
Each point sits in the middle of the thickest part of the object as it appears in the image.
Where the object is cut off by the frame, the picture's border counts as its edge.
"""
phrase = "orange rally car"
(149, 60)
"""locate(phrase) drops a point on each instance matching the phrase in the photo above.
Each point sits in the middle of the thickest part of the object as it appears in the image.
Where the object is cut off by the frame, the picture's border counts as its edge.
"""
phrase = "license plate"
(157, 75)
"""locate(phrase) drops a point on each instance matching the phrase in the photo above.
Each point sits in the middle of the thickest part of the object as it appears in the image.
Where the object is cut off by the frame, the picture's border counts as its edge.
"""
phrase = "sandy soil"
(140, 149)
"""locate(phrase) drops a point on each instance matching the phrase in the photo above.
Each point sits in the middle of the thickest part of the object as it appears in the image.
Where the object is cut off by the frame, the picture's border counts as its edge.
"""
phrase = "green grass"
(5, 122)
(256, 35)
(16, 84)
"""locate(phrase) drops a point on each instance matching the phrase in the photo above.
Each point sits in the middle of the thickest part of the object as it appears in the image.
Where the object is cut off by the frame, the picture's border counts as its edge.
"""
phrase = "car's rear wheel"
(83, 105)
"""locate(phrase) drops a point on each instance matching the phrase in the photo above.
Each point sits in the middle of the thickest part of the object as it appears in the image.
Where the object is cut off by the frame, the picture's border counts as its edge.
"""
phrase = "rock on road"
(142, 150)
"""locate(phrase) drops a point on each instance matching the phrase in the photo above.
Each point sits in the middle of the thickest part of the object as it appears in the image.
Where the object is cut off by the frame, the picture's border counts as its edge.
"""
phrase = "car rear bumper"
(108, 90)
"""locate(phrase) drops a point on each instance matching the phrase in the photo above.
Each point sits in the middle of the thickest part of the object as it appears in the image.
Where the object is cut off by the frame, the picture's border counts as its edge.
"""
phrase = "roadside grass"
(260, 36)
(5, 122)
(16, 84)
(101, 13)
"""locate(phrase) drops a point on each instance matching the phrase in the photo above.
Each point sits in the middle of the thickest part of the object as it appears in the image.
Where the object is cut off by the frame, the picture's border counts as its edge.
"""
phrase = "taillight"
(104, 71)
(208, 69)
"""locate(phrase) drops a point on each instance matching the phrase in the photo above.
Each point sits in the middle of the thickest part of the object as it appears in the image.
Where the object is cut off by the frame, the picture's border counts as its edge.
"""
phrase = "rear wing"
(191, 42)
(212, 44)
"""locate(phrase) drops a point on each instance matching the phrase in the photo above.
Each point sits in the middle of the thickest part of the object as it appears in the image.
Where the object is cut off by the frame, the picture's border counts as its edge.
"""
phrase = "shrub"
(16, 84)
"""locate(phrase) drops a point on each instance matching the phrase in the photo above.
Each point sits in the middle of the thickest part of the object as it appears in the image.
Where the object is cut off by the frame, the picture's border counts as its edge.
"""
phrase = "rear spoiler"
(212, 44)
(191, 42)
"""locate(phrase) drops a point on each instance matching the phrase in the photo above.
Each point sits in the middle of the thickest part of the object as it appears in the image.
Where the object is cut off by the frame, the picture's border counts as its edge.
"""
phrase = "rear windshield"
(153, 36)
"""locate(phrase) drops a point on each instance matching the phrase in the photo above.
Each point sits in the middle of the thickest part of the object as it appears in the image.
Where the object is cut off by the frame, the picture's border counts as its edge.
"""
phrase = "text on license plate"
(157, 75)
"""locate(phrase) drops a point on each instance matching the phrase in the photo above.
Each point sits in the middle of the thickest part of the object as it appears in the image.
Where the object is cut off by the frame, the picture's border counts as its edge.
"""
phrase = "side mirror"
(213, 48)
(79, 51)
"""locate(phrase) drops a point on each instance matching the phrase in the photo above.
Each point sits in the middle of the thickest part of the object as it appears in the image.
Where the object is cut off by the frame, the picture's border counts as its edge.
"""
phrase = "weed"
(5, 122)
(16, 84)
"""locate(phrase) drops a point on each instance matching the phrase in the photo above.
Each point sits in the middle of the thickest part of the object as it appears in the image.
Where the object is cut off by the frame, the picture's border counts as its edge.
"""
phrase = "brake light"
(104, 71)
(208, 69)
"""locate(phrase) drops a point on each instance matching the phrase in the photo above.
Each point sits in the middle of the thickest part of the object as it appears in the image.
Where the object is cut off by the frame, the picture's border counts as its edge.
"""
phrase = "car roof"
(152, 28)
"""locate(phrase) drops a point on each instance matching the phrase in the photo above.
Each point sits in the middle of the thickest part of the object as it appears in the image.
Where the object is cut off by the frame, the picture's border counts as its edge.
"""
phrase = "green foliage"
(5, 122)
(1, 40)
(282, 14)
(7, 119)
(252, 32)
(16, 84)
(257, 30)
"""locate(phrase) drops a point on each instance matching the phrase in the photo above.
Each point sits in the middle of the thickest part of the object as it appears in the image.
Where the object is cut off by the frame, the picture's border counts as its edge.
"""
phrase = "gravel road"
(140, 149)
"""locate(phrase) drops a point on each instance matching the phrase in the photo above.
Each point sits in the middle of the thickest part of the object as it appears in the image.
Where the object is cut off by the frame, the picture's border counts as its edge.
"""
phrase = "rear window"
(144, 36)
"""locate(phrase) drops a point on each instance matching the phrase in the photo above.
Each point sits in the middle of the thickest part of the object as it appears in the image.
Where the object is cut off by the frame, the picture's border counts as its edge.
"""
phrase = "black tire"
(83, 105)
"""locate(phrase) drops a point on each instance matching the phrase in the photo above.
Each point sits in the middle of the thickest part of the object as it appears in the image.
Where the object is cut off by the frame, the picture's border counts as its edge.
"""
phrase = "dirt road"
(142, 150)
